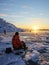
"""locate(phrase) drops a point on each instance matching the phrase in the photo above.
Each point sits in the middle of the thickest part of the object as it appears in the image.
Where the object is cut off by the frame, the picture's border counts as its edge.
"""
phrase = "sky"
(26, 13)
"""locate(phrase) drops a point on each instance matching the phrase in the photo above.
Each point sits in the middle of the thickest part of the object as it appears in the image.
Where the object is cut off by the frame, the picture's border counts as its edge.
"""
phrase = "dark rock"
(30, 62)
(8, 50)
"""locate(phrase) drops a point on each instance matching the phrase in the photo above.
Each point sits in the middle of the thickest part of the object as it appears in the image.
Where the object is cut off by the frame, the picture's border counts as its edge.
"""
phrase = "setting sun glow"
(35, 29)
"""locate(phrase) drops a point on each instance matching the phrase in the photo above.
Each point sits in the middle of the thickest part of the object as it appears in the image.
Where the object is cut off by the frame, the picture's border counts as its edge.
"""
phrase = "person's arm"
(16, 46)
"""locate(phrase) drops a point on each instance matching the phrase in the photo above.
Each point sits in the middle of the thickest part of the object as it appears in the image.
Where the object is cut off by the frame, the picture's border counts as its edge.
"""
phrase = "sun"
(35, 29)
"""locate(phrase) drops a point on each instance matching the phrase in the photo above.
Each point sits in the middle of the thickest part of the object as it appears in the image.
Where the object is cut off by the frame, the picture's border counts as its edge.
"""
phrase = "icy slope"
(8, 27)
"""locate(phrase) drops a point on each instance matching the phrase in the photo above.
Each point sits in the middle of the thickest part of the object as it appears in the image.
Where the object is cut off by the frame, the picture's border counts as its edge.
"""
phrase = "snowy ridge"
(8, 27)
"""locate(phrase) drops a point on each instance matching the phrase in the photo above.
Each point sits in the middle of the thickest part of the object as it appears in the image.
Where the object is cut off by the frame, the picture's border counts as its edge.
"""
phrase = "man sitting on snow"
(17, 43)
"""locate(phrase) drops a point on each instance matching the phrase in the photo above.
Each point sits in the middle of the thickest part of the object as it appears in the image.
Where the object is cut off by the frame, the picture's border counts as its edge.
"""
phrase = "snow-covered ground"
(38, 49)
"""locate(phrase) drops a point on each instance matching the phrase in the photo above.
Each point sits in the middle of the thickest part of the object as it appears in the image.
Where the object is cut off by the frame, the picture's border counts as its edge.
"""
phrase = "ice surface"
(33, 52)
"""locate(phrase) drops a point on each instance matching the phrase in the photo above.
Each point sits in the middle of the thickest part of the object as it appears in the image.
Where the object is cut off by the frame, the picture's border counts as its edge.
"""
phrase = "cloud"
(41, 13)
(4, 15)
(36, 21)
(6, 4)
(32, 15)
(6, 9)
(3, 3)
(15, 16)
(24, 12)
(25, 6)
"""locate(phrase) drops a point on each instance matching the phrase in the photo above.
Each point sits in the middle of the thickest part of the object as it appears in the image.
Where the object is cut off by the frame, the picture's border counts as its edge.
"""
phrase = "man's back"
(16, 41)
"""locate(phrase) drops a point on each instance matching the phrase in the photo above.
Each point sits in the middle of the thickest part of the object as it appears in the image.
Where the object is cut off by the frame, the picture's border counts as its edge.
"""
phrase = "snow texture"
(33, 53)
(8, 27)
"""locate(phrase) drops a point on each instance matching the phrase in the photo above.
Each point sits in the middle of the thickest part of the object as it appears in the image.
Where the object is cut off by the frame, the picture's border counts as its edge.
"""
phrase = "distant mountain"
(30, 30)
(44, 29)
(8, 27)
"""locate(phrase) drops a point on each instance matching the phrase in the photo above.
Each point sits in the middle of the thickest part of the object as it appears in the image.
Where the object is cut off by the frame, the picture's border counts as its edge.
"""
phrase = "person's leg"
(24, 45)
(20, 47)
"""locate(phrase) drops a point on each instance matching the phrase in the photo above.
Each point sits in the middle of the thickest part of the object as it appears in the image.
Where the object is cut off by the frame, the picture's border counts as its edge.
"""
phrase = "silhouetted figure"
(4, 31)
(17, 43)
